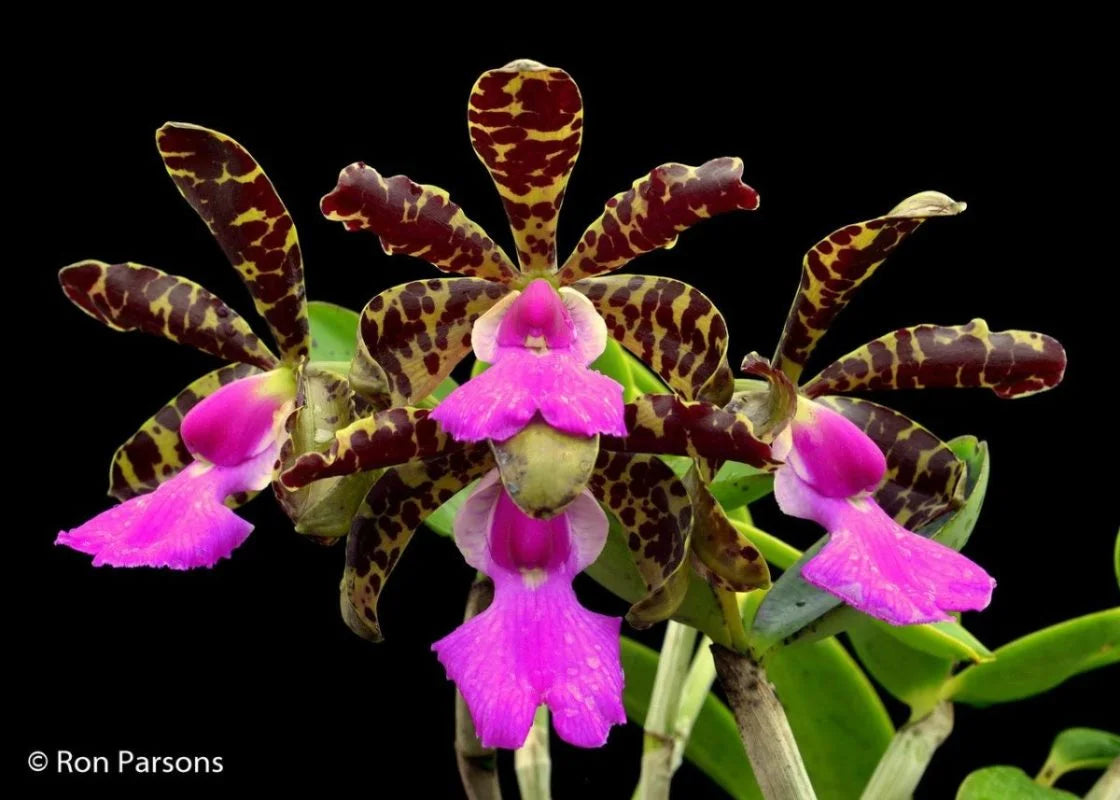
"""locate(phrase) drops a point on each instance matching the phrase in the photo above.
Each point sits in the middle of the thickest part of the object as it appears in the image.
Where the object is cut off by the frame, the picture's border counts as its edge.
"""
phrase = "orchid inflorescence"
(602, 419)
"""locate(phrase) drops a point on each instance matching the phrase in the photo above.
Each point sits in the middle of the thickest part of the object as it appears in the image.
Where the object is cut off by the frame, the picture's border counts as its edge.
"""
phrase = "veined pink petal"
(240, 419)
(502, 400)
(538, 319)
(876, 565)
(182, 524)
(535, 643)
(829, 452)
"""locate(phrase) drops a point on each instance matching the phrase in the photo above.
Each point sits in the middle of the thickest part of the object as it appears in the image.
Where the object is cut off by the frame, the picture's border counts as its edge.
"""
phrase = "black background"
(250, 660)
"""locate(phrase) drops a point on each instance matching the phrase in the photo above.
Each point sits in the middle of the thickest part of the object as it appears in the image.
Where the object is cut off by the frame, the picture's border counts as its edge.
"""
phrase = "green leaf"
(912, 676)
(738, 485)
(442, 518)
(613, 363)
(792, 604)
(446, 387)
(1079, 748)
(1040, 661)
(334, 331)
(941, 639)
(1003, 783)
(839, 722)
(1116, 558)
(714, 746)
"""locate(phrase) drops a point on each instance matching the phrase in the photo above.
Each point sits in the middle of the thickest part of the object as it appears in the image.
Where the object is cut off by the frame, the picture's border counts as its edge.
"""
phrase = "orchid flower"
(535, 643)
(221, 438)
(533, 323)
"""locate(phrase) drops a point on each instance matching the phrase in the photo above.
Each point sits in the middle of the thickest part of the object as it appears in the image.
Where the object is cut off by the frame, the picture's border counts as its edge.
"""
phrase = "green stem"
(697, 687)
(901, 768)
(732, 615)
(660, 744)
(763, 727)
(478, 765)
(532, 761)
(1108, 787)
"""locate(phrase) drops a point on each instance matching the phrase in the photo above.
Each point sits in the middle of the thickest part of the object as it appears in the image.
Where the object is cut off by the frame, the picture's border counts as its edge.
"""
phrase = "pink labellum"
(539, 343)
(535, 643)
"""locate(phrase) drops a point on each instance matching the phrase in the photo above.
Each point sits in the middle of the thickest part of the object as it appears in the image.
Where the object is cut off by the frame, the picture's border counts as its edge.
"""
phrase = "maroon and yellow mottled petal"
(1010, 363)
(131, 297)
(413, 335)
(156, 451)
(837, 265)
(654, 211)
(652, 505)
(234, 197)
(390, 437)
(665, 424)
(924, 478)
(769, 409)
(526, 122)
(415, 220)
(723, 556)
(400, 500)
(670, 326)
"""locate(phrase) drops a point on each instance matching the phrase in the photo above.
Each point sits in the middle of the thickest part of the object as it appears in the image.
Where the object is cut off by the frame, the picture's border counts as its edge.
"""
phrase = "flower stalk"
(763, 727)
(909, 753)
(532, 761)
(478, 765)
(659, 752)
(1108, 786)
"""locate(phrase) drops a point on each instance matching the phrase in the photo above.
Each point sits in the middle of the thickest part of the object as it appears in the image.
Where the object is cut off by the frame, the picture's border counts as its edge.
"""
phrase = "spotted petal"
(234, 197)
(397, 504)
(923, 478)
(526, 123)
(654, 211)
(415, 220)
(413, 335)
(1010, 363)
(837, 265)
(724, 556)
(670, 326)
(131, 297)
(387, 438)
(156, 451)
(666, 424)
(652, 505)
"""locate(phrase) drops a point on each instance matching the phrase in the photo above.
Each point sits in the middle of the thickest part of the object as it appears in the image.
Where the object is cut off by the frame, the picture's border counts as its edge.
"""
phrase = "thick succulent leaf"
(654, 211)
(737, 485)
(838, 721)
(652, 505)
(156, 452)
(1079, 748)
(334, 331)
(234, 197)
(1040, 661)
(323, 406)
(131, 297)
(923, 479)
(526, 123)
(1001, 783)
(413, 335)
(1116, 558)
(385, 439)
(442, 520)
(544, 469)
(666, 424)
(910, 675)
(616, 571)
(837, 265)
(397, 504)
(1010, 363)
(415, 220)
(714, 745)
(724, 555)
(670, 326)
